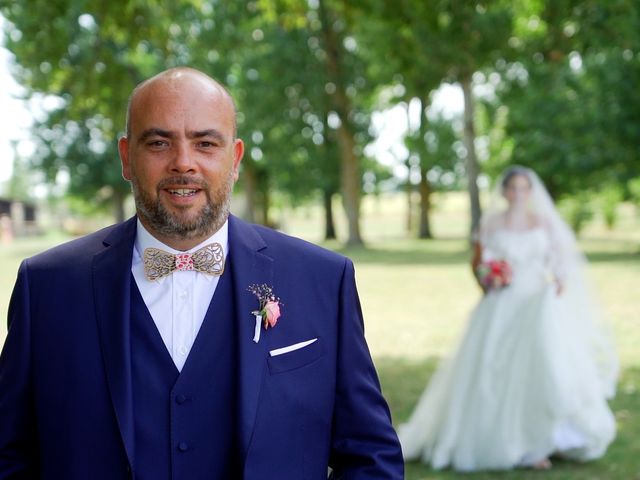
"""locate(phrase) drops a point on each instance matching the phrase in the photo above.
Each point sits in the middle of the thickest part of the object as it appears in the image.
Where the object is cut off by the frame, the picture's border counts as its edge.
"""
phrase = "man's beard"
(207, 221)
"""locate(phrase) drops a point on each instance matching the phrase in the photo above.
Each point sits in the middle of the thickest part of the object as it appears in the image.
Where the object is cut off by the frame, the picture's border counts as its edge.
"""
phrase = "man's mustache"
(183, 180)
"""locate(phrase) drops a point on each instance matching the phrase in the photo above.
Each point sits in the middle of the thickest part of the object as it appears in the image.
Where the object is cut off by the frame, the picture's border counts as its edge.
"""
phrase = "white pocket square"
(291, 348)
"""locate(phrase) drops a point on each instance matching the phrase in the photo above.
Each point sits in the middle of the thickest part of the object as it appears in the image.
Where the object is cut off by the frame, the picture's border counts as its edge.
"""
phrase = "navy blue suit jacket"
(65, 371)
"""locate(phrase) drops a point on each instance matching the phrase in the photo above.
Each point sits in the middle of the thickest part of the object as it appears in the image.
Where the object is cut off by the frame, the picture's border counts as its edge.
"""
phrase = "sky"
(11, 109)
(15, 118)
(391, 125)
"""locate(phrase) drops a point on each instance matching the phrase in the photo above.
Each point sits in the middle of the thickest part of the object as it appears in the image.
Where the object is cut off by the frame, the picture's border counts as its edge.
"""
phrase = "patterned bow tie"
(208, 259)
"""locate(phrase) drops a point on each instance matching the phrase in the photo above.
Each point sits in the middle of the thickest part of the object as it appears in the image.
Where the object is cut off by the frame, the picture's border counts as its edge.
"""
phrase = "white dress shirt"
(178, 302)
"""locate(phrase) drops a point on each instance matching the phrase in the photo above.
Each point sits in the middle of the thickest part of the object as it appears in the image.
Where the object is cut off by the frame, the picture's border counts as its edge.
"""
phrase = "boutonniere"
(269, 311)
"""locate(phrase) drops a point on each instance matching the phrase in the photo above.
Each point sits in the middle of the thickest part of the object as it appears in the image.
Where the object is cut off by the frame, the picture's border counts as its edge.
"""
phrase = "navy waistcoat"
(185, 422)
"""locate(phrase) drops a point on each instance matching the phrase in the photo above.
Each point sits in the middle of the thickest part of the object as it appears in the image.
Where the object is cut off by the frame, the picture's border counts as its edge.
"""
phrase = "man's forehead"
(181, 95)
(193, 110)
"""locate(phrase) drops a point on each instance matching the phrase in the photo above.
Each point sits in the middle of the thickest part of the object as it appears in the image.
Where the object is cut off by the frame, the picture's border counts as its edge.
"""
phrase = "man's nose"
(183, 161)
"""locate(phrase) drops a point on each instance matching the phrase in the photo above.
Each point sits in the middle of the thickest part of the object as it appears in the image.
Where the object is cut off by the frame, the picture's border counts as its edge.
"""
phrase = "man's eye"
(206, 144)
(157, 143)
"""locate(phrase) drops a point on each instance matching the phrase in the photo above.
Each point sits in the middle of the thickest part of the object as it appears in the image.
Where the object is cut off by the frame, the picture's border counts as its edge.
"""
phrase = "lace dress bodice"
(528, 252)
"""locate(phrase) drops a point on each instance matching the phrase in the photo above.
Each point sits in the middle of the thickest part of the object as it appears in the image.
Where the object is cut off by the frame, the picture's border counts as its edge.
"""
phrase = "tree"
(336, 67)
(287, 116)
(407, 29)
(435, 144)
(336, 54)
(287, 123)
(89, 56)
(572, 96)
(427, 43)
(474, 35)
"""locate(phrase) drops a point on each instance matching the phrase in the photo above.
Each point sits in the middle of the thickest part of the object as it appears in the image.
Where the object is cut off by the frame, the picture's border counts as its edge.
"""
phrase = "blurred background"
(373, 127)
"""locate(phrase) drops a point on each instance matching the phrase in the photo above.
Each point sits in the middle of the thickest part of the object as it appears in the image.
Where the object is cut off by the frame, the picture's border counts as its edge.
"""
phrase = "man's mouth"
(182, 192)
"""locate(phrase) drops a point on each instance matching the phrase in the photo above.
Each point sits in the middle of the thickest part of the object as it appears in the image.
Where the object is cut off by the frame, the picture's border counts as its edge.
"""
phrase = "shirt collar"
(145, 240)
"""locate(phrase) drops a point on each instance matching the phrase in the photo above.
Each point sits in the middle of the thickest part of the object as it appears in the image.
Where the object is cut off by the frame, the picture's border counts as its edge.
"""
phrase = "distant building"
(22, 216)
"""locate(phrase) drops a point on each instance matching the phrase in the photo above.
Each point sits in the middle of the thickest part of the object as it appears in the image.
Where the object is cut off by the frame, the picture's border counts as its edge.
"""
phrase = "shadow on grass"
(404, 380)
(611, 257)
(455, 251)
(409, 256)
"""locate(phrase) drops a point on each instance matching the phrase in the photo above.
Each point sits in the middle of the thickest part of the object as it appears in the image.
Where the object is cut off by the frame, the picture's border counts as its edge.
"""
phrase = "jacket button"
(183, 447)
(180, 399)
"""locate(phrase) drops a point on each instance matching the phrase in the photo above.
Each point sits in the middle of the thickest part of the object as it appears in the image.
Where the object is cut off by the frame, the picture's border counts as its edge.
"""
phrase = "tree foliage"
(557, 82)
(572, 96)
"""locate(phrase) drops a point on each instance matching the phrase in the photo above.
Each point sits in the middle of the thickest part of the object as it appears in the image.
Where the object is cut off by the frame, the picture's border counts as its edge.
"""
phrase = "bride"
(533, 372)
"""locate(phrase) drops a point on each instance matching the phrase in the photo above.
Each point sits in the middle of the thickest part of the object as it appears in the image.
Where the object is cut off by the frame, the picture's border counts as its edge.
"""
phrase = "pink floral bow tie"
(208, 259)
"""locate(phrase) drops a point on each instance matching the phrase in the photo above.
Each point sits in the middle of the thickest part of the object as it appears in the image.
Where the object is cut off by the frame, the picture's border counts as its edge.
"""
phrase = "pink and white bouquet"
(494, 274)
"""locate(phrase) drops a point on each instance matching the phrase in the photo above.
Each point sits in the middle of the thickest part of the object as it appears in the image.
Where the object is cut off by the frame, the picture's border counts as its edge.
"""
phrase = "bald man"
(185, 343)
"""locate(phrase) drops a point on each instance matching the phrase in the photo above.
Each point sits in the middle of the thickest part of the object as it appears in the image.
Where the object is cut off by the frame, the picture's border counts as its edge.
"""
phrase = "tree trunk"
(471, 161)
(329, 224)
(349, 165)
(266, 201)
(250, 183)
(425, 189)
(350, 181)
(118, 199)
(425, 205)
(408, 187)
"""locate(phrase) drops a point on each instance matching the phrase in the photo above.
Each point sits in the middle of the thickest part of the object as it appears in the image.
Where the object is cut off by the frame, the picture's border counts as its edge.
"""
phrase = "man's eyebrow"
(154, 132)
(212, 132)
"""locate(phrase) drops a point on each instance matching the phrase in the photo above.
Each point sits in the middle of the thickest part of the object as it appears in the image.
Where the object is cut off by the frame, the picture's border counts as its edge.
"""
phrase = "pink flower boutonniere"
(269, 311)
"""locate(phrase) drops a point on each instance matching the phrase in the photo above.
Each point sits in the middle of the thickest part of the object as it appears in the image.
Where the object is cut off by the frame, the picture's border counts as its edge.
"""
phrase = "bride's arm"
(476, 259)
(556, 259)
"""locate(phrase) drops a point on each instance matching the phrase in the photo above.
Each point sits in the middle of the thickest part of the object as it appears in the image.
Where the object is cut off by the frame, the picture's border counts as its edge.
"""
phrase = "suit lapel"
(111, 290)
(250, 266)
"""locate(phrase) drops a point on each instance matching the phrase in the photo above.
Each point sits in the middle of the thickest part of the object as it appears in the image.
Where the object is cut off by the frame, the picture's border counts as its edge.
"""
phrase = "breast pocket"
(296, 358)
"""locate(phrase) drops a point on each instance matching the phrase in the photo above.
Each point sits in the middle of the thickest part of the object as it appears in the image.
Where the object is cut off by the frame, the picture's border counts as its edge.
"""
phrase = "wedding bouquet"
(494, 274)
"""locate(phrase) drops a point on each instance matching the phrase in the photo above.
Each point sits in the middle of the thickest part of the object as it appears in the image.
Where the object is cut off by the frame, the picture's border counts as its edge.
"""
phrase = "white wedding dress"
(526, 381)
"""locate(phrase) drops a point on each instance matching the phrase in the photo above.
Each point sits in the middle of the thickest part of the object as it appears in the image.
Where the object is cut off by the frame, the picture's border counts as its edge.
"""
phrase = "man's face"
(181, 157)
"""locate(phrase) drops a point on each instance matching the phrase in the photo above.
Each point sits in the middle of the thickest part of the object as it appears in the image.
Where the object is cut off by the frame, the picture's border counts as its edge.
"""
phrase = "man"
(153, 349)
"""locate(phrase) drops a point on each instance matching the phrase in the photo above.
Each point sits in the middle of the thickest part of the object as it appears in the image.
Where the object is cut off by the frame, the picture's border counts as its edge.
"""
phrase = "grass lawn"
(416, 297)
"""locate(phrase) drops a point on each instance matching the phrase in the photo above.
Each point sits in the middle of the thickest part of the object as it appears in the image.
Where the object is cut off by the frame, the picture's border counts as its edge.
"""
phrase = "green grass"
(416, 296)
(10, 258)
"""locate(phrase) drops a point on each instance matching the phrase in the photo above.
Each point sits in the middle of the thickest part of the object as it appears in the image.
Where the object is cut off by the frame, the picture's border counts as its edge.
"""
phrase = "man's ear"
(238, 152)
(123, 149)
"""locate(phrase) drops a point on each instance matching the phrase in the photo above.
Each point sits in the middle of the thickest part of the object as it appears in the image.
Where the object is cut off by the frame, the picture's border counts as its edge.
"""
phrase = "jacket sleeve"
(17, 419)
(364, 443)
